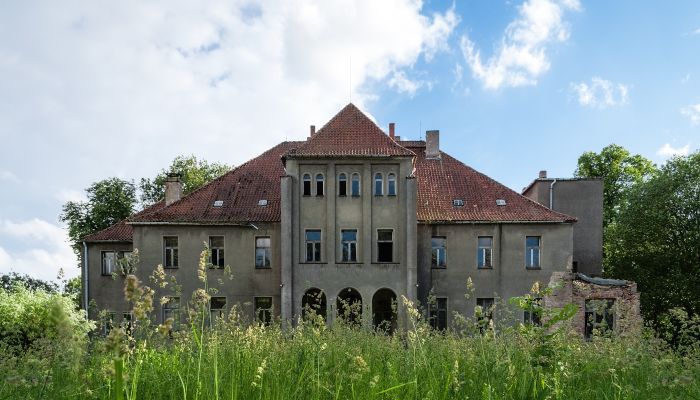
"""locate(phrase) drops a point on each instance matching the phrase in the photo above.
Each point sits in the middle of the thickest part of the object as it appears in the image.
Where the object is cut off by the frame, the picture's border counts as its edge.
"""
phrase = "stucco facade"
(351, 213)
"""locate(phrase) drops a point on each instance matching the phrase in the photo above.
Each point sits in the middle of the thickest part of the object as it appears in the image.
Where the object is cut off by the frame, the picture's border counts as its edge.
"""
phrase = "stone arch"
(384, 308)
(313, 303)
(349, 306)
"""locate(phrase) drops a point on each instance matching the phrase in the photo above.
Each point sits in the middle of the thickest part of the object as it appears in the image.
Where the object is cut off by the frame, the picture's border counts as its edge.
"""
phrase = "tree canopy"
(656, 238)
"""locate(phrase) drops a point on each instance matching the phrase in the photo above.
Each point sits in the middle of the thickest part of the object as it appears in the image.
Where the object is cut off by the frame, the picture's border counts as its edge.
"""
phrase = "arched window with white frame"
(378, 184)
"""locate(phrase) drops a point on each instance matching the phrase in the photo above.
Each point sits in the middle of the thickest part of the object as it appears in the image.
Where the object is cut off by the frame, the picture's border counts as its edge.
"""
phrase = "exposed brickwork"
(570, 289)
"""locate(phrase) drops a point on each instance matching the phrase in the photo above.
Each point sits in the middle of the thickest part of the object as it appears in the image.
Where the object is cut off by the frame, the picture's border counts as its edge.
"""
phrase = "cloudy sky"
(94, 89)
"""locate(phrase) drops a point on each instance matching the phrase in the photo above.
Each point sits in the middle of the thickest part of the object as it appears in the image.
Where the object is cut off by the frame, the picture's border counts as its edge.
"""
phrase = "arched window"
(342, 185)
(355, 184)
(391, 191)
(319, 184)
(307, 185)
(378, 184)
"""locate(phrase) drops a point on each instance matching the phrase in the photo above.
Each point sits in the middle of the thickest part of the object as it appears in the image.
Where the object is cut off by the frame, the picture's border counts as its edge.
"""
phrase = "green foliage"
(29, 316)
(195, 174)
(108, 202)
(656, 239)
(13, 281)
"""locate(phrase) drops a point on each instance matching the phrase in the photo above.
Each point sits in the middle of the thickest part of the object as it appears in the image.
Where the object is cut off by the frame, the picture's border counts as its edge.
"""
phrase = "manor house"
(352, 215)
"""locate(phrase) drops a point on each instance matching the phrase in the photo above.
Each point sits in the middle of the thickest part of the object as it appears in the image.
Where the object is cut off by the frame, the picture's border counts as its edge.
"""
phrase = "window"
(109, 262)
(170, 252)
(484, 252)
(171, 309)
(342, 185)
(378, 184)
(486, 304)
(391, 190)
(313, 245)
(108, 322)
(319, 185)
(355, 184)
(534, 314)
(438, 314)
(532, 252)
(216, 246)
(262, 252)
(385, 245)
(600, 317)
(306, 185)
(439, 252)
(128, 322)
(348, 241)
(217, 307)
(263, 310)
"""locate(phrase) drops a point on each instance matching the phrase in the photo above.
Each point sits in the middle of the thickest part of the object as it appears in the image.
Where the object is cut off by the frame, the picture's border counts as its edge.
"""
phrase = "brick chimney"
(392, 130)
(312, 130)
(543, 174)
(432, 144)
(173, 188)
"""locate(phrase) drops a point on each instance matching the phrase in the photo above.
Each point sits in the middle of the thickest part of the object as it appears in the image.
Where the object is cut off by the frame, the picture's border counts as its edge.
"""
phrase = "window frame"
(322, 183)
(107, 322)
(350, 247)
(532, 318)
(391, 181)
(529, 258)
(220, 311)
(380, 241)
(166, 311)
(378, 178)
(488, 311)
(219, 252)
(435, 312)
(175, 251)
(102, 262)
(342, 184)
(608, 312)
(267, 254)
(314, 243)
(433, 263)
(266, 311)
(479, 249)
(306, 178)
(352, 184)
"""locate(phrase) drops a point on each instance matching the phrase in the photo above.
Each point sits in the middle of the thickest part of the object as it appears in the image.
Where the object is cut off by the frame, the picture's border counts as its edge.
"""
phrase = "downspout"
(85, 279)
(551, 193)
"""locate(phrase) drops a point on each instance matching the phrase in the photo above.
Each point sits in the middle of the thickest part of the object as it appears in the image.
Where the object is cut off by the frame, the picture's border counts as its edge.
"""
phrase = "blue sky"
(100, 89)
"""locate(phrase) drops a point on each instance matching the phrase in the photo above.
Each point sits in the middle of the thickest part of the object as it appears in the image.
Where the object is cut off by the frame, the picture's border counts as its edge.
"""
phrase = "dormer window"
(391, 180)
(306, 185)
(319, 184)
(378, 184)
(355, 184)
(342, 185)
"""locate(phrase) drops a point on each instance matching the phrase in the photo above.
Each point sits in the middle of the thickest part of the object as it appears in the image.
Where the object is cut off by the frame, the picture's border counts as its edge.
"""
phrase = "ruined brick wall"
(569, 289)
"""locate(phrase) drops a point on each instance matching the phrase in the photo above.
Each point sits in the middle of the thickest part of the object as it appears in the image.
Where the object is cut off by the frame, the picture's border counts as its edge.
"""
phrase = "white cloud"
(692, 111)
(66, 195)
(669, 151)
(45, 249)
(600, 93)
(522, 55)
(8, 176)
(402, 84)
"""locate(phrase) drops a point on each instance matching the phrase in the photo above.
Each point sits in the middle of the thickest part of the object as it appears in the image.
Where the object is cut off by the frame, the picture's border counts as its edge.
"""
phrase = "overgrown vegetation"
(234, 359)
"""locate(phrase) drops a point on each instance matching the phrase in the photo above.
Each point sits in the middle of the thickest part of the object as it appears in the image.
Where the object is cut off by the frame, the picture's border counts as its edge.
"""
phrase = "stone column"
(286, 246)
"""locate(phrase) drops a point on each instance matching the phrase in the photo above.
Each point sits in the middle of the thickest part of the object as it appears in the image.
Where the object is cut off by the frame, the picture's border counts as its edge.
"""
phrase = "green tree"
(620, 171)
(12, 281)
(195, 174)
(656, 239)
(108, 202)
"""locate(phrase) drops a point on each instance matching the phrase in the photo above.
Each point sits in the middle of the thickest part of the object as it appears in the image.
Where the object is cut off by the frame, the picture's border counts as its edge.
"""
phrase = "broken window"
(438, 314)
(348, 241)
(532, 315)
(170, 252)
(391, 190)
(600, 317)
(313, 245)
(484, 312)
(342, 185)
(439, 259)
(532, 252)
(216, 246)
(171, 309)
(108, 322)
(355, 184)
(262, 252)
(263, 310)
(128, 322)
(319, 184)
(306, 185)
(217, 306)
(378, 184)
(385, 245)
(485, 252)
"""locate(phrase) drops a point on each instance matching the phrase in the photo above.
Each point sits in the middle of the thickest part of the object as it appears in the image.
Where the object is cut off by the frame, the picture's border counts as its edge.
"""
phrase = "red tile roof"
(441, 181)
(121, 231)
(350, 133)
(240, 190)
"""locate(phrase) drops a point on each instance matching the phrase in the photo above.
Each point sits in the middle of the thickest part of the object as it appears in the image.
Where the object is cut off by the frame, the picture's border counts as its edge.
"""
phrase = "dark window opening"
(385, 245)
(307, 185)
(600, 317)
(438, 314)
(170, 252)
(319, 185)
(313, 245)
(263, 310)
(216, 247)
(342, 185)
(313, 304)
